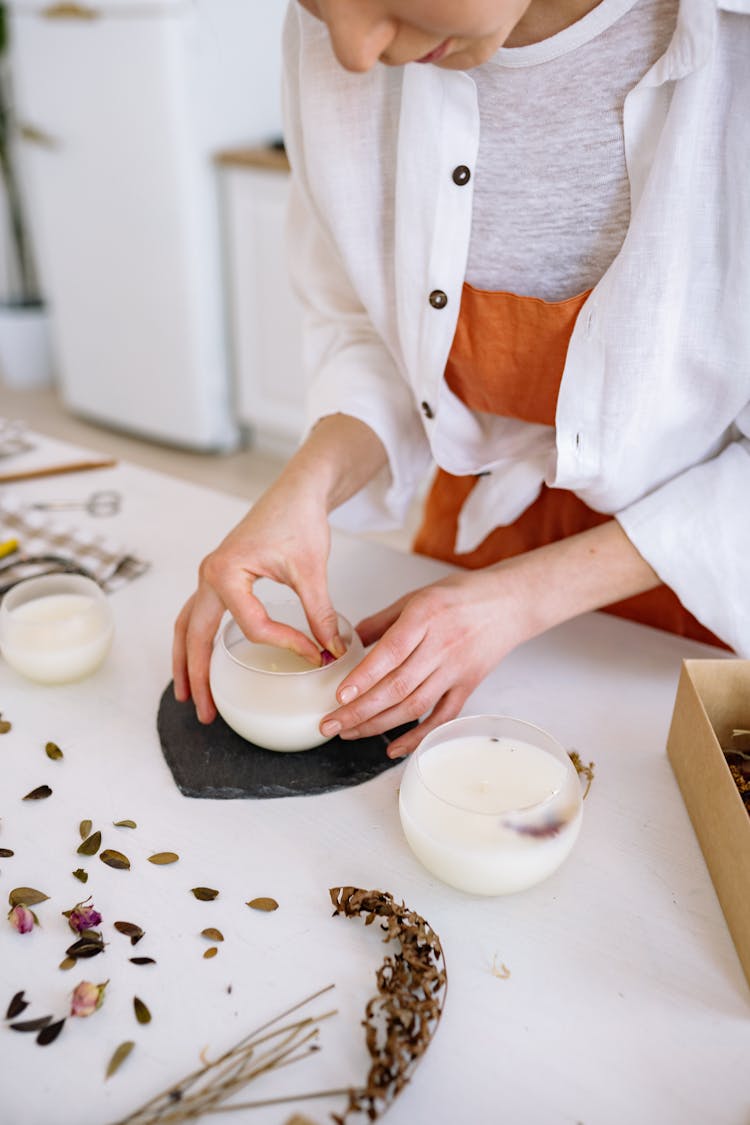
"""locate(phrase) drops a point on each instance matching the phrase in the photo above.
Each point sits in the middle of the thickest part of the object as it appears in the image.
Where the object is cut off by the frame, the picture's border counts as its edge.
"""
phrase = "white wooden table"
(625, 1001)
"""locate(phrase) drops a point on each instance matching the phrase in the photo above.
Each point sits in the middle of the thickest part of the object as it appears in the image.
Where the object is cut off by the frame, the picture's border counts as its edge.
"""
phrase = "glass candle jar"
(271, 696)
(56, 628)
(490, 804)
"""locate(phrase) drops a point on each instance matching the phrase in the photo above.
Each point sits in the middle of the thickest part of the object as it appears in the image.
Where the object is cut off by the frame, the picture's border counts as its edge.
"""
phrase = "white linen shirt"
(653, 414)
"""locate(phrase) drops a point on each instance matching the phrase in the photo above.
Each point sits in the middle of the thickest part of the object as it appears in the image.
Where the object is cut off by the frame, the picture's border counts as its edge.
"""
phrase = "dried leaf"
(205, 894)
(210, 952)
(119, 1056)
(162, 858)
(32, 1025)
(81, 875)
(26, 896)
(142, 1013)
(53, 751)
(143, 960)
(115, 859)
(84, 828)
(131, 930)
(17, 1005)
(67, 963)
(50, 1033)
(88, 946)
(267, 904)
(5, 726)
(124, 824)
(38, 794)
(91, 844)
(212, 934)
(6, 853)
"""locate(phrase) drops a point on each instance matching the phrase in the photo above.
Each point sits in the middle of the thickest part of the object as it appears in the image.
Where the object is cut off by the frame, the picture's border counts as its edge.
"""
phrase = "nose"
(359, 36)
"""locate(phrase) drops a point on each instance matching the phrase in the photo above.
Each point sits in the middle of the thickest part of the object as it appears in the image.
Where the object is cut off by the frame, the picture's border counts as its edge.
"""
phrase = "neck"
(545, 18)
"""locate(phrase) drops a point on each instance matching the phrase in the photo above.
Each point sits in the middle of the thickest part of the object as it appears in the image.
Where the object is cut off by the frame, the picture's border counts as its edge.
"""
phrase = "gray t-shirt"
(551, 190)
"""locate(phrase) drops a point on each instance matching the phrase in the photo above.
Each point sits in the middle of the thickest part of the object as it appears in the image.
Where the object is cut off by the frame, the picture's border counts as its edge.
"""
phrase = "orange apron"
(507, 358)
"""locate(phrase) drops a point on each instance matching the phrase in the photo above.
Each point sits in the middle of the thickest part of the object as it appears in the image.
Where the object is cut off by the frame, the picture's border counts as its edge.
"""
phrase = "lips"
(438, 53)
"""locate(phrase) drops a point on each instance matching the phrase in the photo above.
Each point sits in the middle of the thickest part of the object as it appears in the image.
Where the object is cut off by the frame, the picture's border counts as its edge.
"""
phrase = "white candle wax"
(272, 697)
(57, 638)
(489, 814)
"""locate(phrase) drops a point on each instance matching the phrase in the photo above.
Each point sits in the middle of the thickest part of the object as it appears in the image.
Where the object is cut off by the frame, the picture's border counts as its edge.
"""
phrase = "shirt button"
(461, 175)
(438, 299)
(427, 410)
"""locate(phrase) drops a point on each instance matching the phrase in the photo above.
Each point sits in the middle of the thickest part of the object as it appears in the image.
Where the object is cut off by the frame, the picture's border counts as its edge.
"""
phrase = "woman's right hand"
(285, 536)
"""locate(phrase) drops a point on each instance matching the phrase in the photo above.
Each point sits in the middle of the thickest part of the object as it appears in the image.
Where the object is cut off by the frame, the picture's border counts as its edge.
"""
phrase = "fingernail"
(396, 752)
(330, 728)
(348, 693)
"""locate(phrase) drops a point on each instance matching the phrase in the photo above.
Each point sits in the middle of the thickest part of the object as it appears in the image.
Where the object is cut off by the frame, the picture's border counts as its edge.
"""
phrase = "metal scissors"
(104, 503)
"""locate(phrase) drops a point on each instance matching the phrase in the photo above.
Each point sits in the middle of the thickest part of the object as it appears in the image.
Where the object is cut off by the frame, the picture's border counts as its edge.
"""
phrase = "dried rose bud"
(22, 919)
(326, 657)
(87, 998)
(83, 917)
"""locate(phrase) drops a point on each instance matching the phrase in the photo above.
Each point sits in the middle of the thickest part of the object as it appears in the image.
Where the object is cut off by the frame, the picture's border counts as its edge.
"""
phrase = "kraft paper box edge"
(713, 698)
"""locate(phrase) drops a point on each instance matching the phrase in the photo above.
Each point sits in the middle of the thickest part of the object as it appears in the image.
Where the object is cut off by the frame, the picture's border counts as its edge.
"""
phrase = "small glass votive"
(271, 696)
(490, 804)
(55, 628)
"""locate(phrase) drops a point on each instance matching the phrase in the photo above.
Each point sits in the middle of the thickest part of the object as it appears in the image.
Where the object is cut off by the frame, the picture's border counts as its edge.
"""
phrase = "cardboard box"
(713, 698)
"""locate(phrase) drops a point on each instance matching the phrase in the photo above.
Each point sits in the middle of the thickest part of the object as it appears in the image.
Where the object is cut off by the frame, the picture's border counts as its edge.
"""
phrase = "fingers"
(321, 615)
(447, 708)
(193, 643)
(371, 628)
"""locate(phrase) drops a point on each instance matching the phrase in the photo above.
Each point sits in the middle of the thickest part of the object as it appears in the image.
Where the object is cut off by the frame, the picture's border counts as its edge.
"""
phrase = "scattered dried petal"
(115, 859)
(162, 858)
(67, 963)
(131, 930)
(88, 946)
(5, 726)
(84, 828)
(91, 844)
(22, 919)
(205, 894)
(17, 1005)
(6, 853)
(118, 1058)
(81, 875)
(143, 960)
(142, 1013)
(210, 952)
(267, 904)
(212, 934)
(53, 751)
(38, 794)
(124, 824)
(83, 917)
(32, 1025)
(49, 1033)
(87, 998)
(26, 896)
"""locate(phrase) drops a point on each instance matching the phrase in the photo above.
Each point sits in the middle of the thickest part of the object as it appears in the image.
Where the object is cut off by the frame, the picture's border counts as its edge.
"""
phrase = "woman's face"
(456, 34)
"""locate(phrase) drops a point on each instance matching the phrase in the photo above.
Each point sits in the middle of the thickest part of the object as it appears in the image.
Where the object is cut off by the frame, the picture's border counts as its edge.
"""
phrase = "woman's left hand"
(434, 647)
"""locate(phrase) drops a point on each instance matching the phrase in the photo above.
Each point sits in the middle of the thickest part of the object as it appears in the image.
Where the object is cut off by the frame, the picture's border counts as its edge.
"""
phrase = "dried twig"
(402, 1018)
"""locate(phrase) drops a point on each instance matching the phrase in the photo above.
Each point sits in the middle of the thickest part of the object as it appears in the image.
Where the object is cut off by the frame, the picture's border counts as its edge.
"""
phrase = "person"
(520, 232)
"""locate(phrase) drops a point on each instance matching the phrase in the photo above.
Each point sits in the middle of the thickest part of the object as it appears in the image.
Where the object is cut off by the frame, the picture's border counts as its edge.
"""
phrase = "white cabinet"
(265, 316)
(124, 106)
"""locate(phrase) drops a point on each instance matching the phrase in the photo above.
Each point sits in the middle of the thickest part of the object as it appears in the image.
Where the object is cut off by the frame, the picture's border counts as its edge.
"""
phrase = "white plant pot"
(25, 346)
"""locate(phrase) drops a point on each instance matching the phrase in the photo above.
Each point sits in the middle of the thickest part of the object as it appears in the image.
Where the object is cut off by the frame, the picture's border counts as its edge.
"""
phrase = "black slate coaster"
(213, 761)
